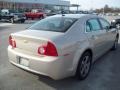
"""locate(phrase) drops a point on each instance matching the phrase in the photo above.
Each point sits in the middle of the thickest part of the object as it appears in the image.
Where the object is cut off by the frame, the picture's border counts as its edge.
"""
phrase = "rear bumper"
(54, 67)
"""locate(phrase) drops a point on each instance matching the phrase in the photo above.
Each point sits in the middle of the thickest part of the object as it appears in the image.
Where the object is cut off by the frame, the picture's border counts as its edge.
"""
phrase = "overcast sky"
(88, 4)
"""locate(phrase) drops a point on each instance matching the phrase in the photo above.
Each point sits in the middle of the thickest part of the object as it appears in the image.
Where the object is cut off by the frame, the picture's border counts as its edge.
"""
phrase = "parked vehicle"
(62, 45)
(116, 22)
(35, 13)
(108, 14)
(12, 16)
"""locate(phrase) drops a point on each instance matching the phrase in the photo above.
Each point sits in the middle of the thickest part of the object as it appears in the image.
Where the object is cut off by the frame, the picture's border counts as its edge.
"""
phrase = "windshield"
(56, 24)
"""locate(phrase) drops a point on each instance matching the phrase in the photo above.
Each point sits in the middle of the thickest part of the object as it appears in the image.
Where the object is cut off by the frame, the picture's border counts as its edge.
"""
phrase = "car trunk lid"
(30, 40)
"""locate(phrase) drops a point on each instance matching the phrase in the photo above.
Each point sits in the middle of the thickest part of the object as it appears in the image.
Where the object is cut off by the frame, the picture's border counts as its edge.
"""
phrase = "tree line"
(107, 9)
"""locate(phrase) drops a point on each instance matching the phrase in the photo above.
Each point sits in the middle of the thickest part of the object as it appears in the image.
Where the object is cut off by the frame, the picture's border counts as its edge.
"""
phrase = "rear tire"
(84, 66)
(12, 20)
(115, 44)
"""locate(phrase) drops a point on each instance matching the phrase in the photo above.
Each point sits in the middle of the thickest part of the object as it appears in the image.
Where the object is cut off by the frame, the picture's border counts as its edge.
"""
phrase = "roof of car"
(75, 15)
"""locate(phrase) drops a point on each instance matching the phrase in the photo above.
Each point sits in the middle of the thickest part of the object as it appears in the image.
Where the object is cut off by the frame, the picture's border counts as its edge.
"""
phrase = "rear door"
(96, 36)
(110, 33)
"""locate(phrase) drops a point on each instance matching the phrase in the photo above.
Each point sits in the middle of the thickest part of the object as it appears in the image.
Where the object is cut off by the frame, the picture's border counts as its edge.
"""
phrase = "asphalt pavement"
(105, 73)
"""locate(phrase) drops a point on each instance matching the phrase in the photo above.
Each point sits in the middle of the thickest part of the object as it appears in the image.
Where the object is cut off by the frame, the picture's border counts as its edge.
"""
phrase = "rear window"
(56, 24)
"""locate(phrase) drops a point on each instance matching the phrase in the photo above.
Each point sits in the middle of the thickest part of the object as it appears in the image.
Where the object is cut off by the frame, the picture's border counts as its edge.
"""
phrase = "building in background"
(34, 4)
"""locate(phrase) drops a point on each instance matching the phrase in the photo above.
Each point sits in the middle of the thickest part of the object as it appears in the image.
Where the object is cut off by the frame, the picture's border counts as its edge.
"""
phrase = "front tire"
(84, 66)
(41, 17)
(22, 21)
(115, 44)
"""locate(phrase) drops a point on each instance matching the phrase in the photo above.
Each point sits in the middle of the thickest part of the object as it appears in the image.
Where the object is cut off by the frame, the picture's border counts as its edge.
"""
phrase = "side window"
(88, 28)
(104, 23)
(94, 24)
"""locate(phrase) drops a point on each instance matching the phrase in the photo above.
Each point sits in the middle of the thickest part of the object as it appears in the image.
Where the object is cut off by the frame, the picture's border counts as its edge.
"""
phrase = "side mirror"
(118, 26)
(113, 25)
(110, 27)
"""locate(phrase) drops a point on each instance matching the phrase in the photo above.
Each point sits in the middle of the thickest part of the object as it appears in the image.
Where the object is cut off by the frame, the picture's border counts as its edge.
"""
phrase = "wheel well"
(87, 50)
(90, 51)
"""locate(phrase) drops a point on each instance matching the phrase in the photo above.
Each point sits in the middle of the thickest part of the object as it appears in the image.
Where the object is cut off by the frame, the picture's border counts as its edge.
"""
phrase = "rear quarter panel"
(72, 44)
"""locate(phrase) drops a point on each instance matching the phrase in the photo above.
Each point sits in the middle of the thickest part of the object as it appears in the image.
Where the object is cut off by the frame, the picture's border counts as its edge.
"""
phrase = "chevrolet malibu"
(62, 45)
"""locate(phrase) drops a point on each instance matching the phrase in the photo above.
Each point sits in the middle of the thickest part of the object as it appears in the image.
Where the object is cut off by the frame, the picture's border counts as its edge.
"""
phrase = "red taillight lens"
(49, 50)
(12, 42)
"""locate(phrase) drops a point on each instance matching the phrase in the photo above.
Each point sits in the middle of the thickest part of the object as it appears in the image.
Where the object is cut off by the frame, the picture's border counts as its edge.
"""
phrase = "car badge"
(25, 41)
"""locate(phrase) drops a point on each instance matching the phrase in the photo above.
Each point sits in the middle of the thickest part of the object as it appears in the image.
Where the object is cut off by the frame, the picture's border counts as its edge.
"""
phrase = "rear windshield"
(56, 24)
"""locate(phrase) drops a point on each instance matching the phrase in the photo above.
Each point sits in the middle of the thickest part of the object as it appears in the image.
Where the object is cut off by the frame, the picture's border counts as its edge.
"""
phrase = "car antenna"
(62, 12)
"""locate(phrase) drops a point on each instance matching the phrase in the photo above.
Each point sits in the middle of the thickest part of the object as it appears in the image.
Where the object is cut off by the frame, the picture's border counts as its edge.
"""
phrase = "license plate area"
(23, 61)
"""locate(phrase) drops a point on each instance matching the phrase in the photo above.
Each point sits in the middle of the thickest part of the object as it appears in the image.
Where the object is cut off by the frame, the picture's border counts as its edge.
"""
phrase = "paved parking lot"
(105, 73)
(110, 18)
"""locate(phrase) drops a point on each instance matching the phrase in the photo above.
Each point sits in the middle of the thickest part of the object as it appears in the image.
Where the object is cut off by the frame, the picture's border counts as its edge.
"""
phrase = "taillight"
(12, 42)
(48, 50)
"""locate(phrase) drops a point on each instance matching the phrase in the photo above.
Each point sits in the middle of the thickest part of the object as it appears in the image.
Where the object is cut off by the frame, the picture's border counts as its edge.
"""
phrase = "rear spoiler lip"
(27, 36)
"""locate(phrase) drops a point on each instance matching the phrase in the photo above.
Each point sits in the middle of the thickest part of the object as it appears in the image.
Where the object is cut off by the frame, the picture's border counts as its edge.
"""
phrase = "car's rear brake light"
(12, 42)
(48, 50)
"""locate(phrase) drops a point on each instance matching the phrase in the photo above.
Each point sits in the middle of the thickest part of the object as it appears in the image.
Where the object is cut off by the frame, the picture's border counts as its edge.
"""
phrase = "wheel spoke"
(85, 65)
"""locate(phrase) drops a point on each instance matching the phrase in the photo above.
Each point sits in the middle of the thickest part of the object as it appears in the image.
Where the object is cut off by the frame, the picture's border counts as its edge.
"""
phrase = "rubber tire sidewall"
(12, 20)
(113, 47)
(22, 21)
(79, 64)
